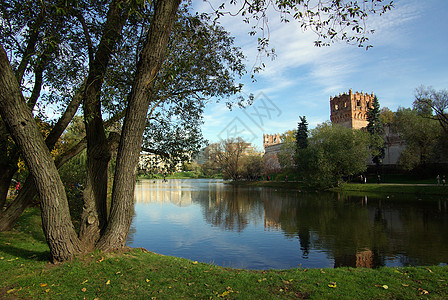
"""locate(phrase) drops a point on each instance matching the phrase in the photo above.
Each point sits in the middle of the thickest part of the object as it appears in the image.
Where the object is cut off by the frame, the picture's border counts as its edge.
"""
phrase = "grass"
(394, 189)
(25, 273)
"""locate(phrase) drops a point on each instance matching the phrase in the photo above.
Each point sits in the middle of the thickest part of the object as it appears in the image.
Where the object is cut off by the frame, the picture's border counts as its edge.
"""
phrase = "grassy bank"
(394, 189)
(139, 274)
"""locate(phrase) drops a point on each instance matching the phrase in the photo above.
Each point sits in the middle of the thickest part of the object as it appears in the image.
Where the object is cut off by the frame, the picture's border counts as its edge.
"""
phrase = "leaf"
(385, 287)
(47, 290)
(108, 282)
(423, 292)
(225, 293)
(83, 290)
(332, 285)
(84, 281)
(195, 263)
(43, 284)
(403, 284)
(147, 280)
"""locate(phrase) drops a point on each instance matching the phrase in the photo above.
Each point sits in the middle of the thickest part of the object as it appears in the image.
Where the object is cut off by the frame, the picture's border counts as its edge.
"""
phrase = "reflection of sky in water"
(215, 223)
(181, 231)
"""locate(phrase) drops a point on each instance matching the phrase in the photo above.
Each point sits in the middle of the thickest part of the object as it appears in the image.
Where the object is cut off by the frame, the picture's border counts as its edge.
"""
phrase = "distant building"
(350, 110)
(272, 145)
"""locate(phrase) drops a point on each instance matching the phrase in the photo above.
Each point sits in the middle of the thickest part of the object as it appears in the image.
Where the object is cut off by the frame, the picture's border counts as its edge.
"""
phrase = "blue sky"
(410, 49)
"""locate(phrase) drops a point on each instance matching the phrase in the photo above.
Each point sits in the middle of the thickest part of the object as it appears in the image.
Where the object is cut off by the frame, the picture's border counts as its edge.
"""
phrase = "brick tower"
(350, 110)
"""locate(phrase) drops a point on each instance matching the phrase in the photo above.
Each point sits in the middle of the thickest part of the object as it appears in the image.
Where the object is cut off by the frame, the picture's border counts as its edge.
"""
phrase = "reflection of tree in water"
(324, 221)
(232, 208)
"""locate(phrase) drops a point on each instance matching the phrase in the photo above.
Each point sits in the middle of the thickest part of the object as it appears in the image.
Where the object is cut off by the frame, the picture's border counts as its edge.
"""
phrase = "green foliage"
(422, 136)
(302, 134)
(251, 166)
(374, 126)
(334, 153)
(288, 149)
(432, 104)
(376, 130)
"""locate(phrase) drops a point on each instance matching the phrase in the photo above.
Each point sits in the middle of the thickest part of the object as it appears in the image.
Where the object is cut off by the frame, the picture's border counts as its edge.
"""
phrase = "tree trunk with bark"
(58, 228)
(94, 216)
(122, 206)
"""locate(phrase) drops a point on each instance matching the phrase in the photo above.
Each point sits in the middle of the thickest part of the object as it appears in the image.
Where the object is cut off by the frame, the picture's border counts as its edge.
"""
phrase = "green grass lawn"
(25, 273)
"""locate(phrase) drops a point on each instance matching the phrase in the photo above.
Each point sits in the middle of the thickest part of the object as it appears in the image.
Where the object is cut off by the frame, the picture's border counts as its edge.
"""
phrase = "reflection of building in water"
(157, 191)
(272, 211)
(270, 224)
(362, 259)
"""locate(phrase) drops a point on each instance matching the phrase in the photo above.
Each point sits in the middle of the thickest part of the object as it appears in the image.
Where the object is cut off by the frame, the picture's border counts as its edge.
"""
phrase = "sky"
(410, 49)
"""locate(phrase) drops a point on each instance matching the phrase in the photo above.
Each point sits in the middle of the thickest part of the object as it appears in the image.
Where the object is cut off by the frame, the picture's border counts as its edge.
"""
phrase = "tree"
(423, 138)
(433, 104)
(251, 166)
(172, 128)
(109, 231)
(228, 155)
(302, 134)
(334, 153)
(287, 150)
(386, 116)
(376, 130)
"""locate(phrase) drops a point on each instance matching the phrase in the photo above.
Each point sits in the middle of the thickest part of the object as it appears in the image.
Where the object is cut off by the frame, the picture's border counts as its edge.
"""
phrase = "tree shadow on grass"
(26, 254)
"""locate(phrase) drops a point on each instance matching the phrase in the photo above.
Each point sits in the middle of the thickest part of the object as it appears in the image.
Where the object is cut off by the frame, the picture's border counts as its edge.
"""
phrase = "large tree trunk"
(122, 207)
(59, 231)
(26, 194)
(94, 216)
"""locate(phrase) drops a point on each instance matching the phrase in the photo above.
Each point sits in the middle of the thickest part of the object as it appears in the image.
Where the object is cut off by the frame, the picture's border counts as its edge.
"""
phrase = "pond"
(207, 220)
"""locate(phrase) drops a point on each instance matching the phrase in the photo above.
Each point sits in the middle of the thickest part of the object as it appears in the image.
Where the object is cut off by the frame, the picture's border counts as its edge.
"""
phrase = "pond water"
(263, 228)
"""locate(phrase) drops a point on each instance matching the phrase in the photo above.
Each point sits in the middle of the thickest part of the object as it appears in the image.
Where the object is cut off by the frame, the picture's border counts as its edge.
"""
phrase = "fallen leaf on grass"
(404, 284)
(382, 286)
(13, 290)
(423, 292)
(332, 285)
(43, 284)
(84, 281)
(108, 282)
(195, 263)
(47, 290)
(147, 280)
(101, 259)
(429, 270)
(84, 290)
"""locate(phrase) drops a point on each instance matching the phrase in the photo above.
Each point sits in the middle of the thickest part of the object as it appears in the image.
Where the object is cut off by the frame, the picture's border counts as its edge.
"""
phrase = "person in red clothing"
(17, 187)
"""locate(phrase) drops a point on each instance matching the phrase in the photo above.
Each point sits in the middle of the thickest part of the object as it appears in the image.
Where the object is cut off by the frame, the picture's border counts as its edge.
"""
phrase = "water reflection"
(349, 230)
